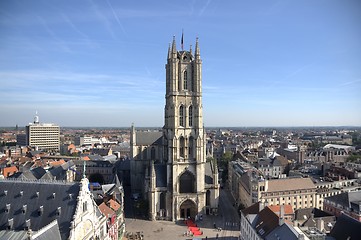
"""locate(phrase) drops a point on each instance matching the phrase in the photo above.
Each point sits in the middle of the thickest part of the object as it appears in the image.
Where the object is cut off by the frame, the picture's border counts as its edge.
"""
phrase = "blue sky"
(101, 63)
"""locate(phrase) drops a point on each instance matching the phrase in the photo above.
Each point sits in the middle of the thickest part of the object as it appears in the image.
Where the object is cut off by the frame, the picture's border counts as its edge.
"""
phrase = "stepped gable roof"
(148, 138)
(25, 198)
(289, 184)
(161, 175)
(346, 228)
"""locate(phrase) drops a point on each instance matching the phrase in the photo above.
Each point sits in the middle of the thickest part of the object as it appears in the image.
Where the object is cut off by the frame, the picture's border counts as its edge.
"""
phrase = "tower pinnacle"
(174, 48)
(197, 51)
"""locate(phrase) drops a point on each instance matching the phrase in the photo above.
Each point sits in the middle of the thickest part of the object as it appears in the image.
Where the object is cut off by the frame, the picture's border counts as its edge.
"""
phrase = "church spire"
(197, 51)
(169, 52)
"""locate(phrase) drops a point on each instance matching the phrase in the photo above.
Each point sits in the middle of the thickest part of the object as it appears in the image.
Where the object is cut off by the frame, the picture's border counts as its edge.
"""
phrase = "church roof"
(38, 201)
(208, 178)
(148, 138)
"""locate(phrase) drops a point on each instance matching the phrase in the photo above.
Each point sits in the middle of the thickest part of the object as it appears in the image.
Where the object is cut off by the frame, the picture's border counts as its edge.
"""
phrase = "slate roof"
(305, 213)
(285, 231)
(208, 178)
(11, 235)
(100, 151)
(148, 138)
(266, 222)
(348, 199)
(51, 231)
(25, 204)
(346, 228)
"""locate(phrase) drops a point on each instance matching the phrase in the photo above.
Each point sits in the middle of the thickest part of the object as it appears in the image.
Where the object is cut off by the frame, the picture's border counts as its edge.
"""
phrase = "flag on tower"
(182, 41)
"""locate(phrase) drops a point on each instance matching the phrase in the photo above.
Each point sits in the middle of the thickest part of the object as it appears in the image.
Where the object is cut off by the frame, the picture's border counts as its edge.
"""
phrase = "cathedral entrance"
(188, 209)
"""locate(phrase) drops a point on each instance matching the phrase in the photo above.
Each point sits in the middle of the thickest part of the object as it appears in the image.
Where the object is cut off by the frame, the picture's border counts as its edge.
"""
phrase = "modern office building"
(44, 136)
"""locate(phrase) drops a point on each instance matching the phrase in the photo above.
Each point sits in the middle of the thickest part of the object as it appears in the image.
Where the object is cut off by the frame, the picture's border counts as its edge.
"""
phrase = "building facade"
(45, 136)
(179, 182)
(52, 210)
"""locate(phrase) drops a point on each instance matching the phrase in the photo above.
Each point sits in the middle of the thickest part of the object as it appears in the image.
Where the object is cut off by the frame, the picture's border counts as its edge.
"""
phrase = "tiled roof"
(9, 171)
(114, 205)
(105, 210)
(57, 163)
(289, 184)
(288, 210)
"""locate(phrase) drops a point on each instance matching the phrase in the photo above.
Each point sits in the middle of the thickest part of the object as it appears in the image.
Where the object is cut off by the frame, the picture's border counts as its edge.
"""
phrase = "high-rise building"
(45, 136)
(179, 182)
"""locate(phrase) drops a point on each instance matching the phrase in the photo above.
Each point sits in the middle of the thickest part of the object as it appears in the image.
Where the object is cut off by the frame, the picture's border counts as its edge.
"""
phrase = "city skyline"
(265, 63)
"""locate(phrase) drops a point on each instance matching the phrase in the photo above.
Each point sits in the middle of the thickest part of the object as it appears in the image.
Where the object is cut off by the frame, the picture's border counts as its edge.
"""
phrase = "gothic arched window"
(185, 80)
(181, 146)
(190, 119)
(181, 116)
(186, 183)
(191, 148)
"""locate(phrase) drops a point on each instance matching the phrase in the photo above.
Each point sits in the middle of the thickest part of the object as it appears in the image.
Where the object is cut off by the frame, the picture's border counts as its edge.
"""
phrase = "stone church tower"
(180, 183)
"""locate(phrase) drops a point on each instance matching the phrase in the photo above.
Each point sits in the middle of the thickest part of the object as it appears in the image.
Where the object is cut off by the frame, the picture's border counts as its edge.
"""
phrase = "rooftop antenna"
(36, 117)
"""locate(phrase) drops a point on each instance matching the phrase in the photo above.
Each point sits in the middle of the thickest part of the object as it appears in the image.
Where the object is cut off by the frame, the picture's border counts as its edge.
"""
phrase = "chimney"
(260, 206)
(320, 224)
(7, 209)
(58, 211)
(25, 207)
(10, 223)
(282, 214)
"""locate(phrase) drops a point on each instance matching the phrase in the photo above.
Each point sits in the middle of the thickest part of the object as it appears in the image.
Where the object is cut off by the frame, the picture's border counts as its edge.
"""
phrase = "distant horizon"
(152, 127)
(101, 63)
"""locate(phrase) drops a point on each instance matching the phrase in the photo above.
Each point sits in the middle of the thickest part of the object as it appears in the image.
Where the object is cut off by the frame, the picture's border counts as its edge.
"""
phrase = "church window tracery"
(186, 183)
(181, 146)
(185, 80)
(190, 119)
(181, 116)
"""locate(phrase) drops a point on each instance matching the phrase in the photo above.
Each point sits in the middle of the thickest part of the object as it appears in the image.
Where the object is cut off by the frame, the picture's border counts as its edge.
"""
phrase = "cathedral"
(169, 168)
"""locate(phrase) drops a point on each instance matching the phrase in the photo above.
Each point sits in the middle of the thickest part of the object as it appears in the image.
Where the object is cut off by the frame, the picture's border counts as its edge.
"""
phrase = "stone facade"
(179, 183)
